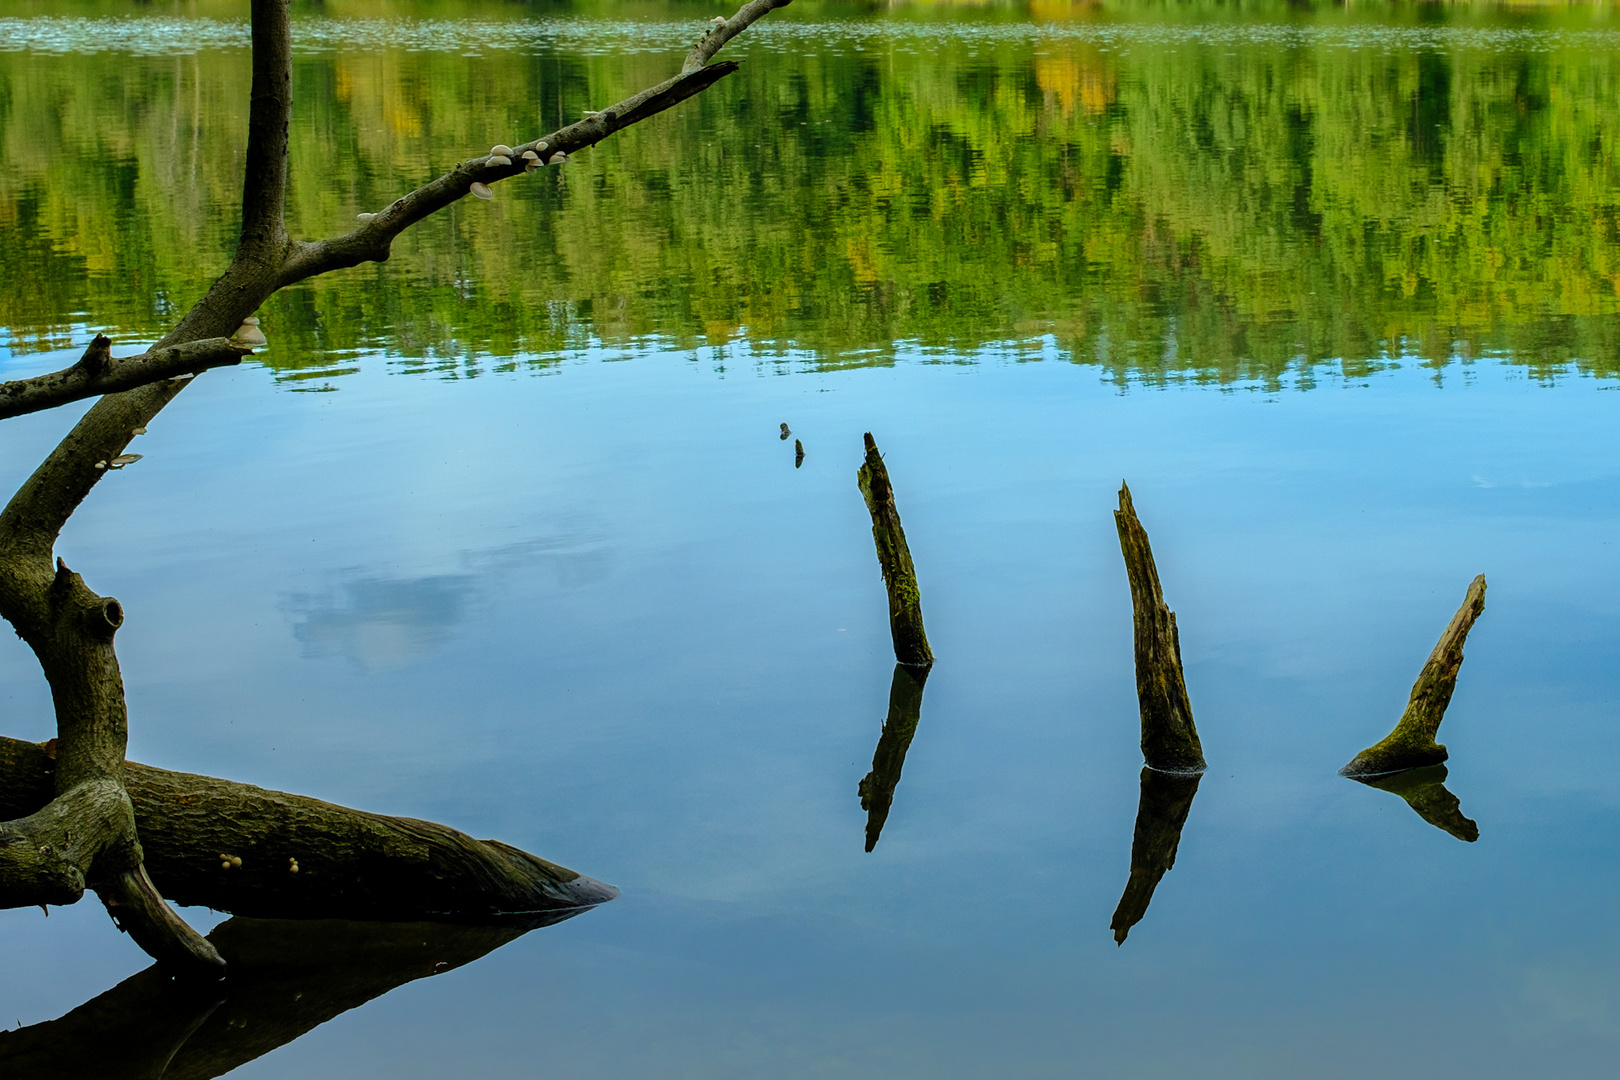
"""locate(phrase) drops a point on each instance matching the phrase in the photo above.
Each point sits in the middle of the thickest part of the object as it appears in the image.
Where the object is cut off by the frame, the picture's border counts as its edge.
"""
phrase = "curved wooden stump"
(1412, 743)
(286, 979)
(1160, 816)
(905, 709)
(1169, 738)
(349, 864)
(900, 577)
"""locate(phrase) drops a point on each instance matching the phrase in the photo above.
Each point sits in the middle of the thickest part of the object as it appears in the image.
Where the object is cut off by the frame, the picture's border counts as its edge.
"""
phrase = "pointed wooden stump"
(1169, 738)
(1412, 744)
(905, 605)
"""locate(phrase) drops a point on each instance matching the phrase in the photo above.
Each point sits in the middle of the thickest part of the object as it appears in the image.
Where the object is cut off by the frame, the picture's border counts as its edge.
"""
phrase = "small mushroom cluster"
(230, 862)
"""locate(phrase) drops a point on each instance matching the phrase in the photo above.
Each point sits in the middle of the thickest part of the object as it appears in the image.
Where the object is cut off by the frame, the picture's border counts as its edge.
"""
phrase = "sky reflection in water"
(601, 616)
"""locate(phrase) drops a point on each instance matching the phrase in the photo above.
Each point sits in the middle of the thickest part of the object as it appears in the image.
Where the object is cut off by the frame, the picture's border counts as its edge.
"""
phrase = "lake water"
(1334, 290)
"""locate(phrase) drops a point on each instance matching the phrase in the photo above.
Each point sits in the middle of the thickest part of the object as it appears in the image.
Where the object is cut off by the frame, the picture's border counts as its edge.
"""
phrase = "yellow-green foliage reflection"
(1166, 208)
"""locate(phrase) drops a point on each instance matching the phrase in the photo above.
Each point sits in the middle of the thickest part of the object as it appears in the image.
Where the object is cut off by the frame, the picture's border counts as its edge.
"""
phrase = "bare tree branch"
(371, 241)
(97, 373)
(726, 29)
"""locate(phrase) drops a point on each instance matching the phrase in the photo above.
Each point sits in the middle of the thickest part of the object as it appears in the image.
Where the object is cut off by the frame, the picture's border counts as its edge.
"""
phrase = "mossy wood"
(905, 604)
(1161, 814)
(1424, 790)
(350, 864)
(1412, 744)
(905, 709)
(286, 979)
(1169, 738)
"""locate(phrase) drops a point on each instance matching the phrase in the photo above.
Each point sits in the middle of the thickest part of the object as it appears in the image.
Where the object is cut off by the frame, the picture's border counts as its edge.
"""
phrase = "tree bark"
(97, 373)
(1169, 738)
(905, 709)
(1161, 814)
(899, 576)
(1411, 745)
(350, 864)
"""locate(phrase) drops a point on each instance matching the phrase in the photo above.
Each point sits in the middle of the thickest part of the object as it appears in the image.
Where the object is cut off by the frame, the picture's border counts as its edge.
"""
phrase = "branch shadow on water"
(1160, 816)
(905, 710)
(286, 978)
(1425, 792)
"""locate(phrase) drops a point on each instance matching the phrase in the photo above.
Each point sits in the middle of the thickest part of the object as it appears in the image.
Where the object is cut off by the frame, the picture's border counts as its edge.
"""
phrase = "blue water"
(600, 615)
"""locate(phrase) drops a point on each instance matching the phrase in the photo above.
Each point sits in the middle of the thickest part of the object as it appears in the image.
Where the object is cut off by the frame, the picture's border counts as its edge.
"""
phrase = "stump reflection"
(1160, 815)
(286, 978)
(1425, 792)
(905, 709)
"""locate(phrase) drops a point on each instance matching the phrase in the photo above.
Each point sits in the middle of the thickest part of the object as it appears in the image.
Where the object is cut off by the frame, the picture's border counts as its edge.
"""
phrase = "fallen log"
(1169, 738)
(905, 709)
(251, 851)
(1411, 745)
(1161, 813)
(899, 576)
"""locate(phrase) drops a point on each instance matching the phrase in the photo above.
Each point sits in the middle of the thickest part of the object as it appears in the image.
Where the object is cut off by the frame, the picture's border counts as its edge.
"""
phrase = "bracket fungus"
(249, 333)
(481, 190)
(501, 150)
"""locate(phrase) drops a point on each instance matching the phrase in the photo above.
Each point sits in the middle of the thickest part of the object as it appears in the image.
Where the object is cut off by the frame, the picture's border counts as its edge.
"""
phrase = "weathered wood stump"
(1169, 738)
(304, 858)
(905, 709)
(905, 605)
(1411, 745)
(1424, 790)
(1160, 815)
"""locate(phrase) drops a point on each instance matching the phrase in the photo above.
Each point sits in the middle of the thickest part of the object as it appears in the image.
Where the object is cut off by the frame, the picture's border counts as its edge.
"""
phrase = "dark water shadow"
(286, 978)
(905, 709)
(1425, 792)
(1160, 815)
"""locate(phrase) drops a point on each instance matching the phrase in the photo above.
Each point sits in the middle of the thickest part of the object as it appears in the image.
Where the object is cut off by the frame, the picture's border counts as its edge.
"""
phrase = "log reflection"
(1425, 792)
(286, 978)
(905, 709)
(1160, 815)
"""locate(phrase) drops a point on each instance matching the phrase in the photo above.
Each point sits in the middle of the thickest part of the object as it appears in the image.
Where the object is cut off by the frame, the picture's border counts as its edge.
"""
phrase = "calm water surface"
(1334, 292)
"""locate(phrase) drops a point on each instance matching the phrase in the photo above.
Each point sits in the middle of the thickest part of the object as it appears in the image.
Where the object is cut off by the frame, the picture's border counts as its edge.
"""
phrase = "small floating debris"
(481, 190)
(785, 433)
(798, 453)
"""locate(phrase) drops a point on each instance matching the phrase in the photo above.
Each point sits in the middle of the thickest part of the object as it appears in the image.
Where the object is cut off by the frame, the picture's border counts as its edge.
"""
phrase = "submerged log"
(1424, 790)
(905, 605)
(905, 709)
(1169, 739)
(286, 978)
(250, 851)
(1411, 745)
(1160, 815)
